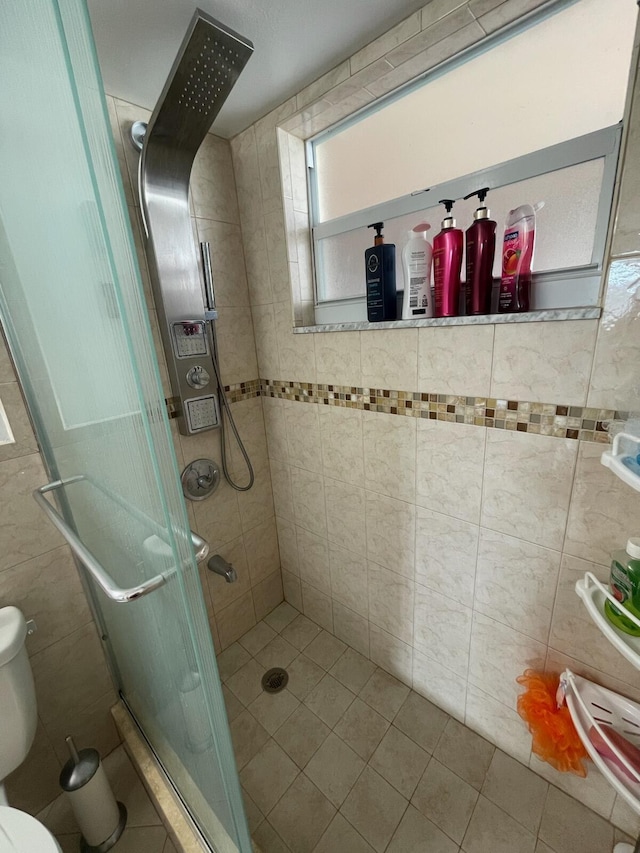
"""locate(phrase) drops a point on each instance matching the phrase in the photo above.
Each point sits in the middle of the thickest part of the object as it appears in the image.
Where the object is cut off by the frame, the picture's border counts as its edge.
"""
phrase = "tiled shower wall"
(238, 525)
(447, 552)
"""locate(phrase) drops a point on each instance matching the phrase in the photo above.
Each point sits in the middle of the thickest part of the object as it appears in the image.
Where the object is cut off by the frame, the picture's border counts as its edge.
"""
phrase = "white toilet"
(19, 832)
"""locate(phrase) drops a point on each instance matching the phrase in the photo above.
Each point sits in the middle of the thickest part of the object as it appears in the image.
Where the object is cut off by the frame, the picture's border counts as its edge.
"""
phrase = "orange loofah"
(555, 739)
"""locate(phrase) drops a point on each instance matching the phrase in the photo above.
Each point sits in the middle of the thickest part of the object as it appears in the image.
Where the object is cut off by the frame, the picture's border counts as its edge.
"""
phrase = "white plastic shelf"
(594, 594)
(594, 707)
(624, 465)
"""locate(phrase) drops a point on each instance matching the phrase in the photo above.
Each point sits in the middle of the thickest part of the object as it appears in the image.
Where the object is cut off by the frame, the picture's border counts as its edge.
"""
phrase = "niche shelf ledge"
(594, 594)
(623, 464)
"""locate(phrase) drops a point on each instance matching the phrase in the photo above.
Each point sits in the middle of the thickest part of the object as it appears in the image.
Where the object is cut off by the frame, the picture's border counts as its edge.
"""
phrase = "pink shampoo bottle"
(447, 263)
(517, 259)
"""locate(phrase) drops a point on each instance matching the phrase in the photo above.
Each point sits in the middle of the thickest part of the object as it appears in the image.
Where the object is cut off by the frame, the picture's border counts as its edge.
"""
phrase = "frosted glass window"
(563, 78)
(6, 435)
(565, 228)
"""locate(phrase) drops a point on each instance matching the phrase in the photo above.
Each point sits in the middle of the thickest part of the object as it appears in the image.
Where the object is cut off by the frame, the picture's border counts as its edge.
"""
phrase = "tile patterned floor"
(145, 832)
(348, 760)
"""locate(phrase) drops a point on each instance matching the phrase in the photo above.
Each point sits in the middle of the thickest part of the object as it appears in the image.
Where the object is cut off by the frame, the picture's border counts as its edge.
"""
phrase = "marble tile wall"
(446, 552)
(38, 575)
(238, 525)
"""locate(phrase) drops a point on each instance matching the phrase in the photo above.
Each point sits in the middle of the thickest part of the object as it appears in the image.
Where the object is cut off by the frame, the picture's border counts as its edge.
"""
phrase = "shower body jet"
(205, 70)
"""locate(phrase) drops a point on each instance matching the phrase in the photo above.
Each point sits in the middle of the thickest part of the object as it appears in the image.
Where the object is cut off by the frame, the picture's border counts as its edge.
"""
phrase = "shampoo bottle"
(481, 249)
(380, 266)
(517, 259)
(624, 581)
(447, 263)
(416, 260)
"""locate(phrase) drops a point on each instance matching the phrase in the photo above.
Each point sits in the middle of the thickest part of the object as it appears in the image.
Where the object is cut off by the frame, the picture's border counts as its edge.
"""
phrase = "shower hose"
(225, 409)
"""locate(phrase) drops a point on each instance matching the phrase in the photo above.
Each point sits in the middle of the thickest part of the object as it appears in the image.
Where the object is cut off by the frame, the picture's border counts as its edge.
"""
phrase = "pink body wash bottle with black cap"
(447, 263)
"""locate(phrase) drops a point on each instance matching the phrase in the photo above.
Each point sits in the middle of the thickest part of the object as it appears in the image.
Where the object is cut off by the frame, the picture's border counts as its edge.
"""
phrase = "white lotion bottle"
(416, 261)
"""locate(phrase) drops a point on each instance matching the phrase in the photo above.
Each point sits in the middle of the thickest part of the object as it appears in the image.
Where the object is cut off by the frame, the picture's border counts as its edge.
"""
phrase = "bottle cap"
(633, 548)
(448, 221)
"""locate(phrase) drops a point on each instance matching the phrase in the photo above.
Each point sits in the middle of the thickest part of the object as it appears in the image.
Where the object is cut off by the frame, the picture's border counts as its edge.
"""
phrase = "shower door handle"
(92, 565)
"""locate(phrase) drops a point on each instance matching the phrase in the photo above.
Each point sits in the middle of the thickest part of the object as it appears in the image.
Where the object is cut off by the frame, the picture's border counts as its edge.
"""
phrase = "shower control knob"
(198, 377)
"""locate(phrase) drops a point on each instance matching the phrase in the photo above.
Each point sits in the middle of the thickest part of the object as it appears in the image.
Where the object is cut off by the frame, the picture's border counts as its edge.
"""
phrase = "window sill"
(547, 315)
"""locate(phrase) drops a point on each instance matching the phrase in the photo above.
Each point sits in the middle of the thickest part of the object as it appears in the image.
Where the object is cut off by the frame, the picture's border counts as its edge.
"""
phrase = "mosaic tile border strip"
(574, 422)
(243, 390)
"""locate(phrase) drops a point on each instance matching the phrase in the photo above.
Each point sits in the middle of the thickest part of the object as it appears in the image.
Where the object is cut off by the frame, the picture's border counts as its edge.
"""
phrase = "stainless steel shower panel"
(206, 68)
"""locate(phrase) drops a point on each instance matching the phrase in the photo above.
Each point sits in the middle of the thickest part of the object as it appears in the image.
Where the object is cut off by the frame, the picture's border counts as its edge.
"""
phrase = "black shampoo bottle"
(380, 265)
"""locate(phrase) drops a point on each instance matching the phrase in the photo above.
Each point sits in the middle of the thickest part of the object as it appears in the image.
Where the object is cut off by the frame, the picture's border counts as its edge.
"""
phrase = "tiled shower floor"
(348, 760)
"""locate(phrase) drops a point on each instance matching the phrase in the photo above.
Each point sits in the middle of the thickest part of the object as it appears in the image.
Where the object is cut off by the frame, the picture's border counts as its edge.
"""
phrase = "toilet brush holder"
(99, 816)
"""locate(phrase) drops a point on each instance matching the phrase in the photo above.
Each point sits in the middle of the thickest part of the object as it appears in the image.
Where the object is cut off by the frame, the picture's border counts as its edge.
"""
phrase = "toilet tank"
(18, 710)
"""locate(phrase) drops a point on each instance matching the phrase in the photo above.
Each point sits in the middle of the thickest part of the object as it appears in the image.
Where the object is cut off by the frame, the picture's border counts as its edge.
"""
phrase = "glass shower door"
(72, 306)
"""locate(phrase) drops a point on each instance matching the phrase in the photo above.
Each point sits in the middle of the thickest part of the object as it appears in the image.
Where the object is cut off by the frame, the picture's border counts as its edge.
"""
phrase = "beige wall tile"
(6, 368)
(449, 468)
(391, 601)
(264, 328)
(313, 559)
(218, 517)
(267, 595)
(315, 90)
(288, 545)
(303, 436)
(627, 226)
(244, 152)
(390, 653)
(614, 383)
(442, 629)
(212, 184)
(47, 589)
(349, 579)
(238, 361)
(255, 505)
(235, 620)
(338, 358)
(434, 10)
(389, 359)
(70, 676)
(346, 523)
(34, 784)
(516, 583)
(527, 485)
(439, 685)
(390, 455)
(387, 42)
(455, 360)
(506, 13)
(92, 725)
(351, 627)
(296, 353)
(281, 485)
(604, 512)
(255, 252)
(317, 606)
(308, 500)
(544, 362)
(227, 263)
(446, 552)
(261, 547)
(342, 443)
(498, 723)
(391, 533)
(444, 49)
(26, 532)
(292, 590)
(431, 34)
(276, 428)
(498, 656)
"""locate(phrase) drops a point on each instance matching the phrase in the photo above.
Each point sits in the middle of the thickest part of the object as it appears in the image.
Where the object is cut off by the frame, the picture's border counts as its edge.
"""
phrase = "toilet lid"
(21, 833)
